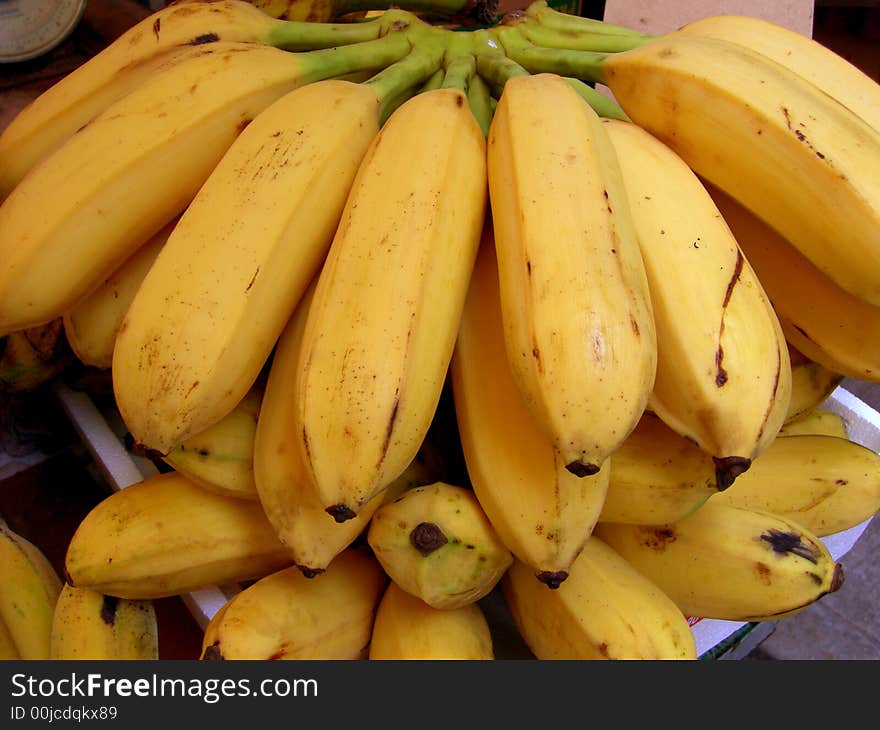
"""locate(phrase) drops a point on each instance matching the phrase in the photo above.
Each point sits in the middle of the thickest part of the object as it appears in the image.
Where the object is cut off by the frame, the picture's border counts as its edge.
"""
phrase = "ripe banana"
(33, 356)
(605, 610)
(578, 324)
(210, 310)
(89, 625)
(816, 421)
(387, 305)
(288, 616)
(782, 147)
(165, 536)
(221, 458)
(723, 371)
(78, 215)
(811, 384)
(541, 511)
(437, 544)
(158, 42)
(824, 483)
(287, 495)
(730, 563)
(407, 628)
(657, 476)
(28, 593)
(816, 63)
(91, 326)
(824, 322)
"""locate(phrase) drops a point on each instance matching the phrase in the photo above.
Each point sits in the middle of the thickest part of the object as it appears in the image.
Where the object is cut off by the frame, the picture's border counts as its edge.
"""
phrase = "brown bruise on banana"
(426, 537)
(108, 610)
(720, 372)
(790, 542)
(657, 538)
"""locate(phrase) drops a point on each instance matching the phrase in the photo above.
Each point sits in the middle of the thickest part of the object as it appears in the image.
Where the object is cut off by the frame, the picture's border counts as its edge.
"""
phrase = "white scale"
(30, 28)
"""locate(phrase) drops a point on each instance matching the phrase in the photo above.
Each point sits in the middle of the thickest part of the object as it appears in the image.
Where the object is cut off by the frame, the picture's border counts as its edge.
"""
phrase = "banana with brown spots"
(730, 563)
(723, 370)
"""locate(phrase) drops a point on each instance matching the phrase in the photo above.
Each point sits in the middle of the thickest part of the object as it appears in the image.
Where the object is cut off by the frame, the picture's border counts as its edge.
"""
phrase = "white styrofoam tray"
(103, 434)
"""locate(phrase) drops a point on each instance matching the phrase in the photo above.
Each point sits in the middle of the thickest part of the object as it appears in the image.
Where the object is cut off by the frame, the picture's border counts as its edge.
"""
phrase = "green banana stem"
(435, 81)
(480, 103)
(576, 40)
(394, 83)
(583, 65)
(540, 12)
(294, 35)
(601, 104)
(493, 64)
(481, 11)
(370, 55)
(459, 62)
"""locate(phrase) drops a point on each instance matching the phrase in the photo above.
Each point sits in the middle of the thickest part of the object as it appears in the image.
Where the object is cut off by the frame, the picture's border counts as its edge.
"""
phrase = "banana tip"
(581, 469)
(837, 579)
(341, 512)
(728, 468)
(552, 578)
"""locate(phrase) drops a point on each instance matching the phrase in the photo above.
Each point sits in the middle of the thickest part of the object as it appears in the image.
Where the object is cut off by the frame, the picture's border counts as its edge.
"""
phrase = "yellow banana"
(605, 610)
(824, 483)
(28, 593)
(91, 326)
(221, 458)
(657, 476)
(165, 536)
(89, 625)
(387, 305)
(288, 616)
(781, 146)
(158, 42)
(89, 205)
(541, 511)
(816, 421)
(283, 486)
(730, 563)
(824, 322)
(579, 329)
(723, 372)
(34, 356)
(818, 64)
(210, 310)
(811, 384)
(437, 544)
(407, 628)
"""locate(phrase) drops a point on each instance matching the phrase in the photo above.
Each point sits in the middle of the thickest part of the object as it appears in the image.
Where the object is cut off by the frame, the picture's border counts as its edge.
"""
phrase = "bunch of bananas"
(324, 258)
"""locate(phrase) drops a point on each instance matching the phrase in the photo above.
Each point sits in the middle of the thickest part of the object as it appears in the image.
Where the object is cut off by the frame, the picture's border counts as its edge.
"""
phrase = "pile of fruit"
(289, 243)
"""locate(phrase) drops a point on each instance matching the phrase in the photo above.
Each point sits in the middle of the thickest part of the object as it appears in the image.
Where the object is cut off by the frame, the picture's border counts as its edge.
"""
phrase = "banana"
(818, 64)
(387, 305)
(578, 324)
(723, 370)
(407, 628)
(95, 200)
(89, 625)
(288, 616)
(163, 39)
(437, 544)
(221, 458)
(824, 322)
(605, 610)
(91, 326)
(811, 384)
(657, 476)
(816, 421)
(165, 536)
(730, 563)
(280, 477)
(824, 483)
(781, 146)
(28, 594)
(541, 511)
(212, 307)
(34, 356)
